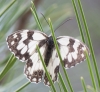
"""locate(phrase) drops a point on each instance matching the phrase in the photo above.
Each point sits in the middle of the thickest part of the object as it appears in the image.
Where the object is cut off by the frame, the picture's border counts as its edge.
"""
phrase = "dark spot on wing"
(19, 55)
(80, 46)
(56, 69)
(71, 49)
(46, 79)
(70, 45)
(72, 41)
(19, 37)
(26, 55)
(29, 63)
(26, 41)
(16, 40)
(29, 34)
(36, 75)
(68, 64)
(41, 43)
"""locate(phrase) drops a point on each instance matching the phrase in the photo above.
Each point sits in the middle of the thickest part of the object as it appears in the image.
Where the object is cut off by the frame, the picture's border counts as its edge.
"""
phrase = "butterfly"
(23, 45)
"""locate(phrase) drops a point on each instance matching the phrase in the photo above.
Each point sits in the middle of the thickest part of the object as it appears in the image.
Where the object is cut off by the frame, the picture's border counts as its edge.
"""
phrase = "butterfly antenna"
(59, 25)
(63, 23)
(45, 18)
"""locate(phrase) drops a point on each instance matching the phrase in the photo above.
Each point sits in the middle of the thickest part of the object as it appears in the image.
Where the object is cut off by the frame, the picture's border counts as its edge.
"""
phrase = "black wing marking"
(72, 51)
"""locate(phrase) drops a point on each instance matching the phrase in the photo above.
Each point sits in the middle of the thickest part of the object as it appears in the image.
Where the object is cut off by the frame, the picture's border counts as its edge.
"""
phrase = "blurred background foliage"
(19, 16)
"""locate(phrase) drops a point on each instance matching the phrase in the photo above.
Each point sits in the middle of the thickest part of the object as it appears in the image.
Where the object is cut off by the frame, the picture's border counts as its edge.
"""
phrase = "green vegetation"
(8, 65)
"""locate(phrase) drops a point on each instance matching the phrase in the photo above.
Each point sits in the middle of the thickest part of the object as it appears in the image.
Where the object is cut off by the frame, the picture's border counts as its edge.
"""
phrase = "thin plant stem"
(89, 41)
(83, 84)
(58, 52)
(7, 8)
(22, 87)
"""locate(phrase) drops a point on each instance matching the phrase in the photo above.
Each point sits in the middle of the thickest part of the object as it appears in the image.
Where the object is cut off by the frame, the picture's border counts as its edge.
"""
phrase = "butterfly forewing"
(72, 51)
(23, 43)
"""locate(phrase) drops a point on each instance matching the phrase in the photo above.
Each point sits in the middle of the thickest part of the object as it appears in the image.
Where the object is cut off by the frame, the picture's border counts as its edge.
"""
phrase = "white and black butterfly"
(23, 45)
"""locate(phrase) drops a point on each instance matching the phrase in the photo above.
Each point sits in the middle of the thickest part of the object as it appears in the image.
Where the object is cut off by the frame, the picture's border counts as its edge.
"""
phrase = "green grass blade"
(48, 76)
(91, 72)
(59, 85)
(83, 84)
(51, 90)
(89, 41)
(7, 8)
(78, 20)
(58, 52)
(40, 27)
(9, 64)
(36, 16)
(26, 84)
(62, 83)
(91, 88)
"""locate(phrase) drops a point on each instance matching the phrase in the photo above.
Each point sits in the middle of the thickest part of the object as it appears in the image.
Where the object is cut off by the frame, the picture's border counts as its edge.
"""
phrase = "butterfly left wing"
(72, 51)
(23, 45)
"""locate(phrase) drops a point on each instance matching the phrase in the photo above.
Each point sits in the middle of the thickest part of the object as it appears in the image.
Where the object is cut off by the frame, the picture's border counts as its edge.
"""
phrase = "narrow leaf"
(78, 20)
(57, 48)
(26, 84)
(7, 8)
(62, 82)
(8, 66)
(91, 72)
(89, 41)
(48, 76)
(36, 16)
(83, 84)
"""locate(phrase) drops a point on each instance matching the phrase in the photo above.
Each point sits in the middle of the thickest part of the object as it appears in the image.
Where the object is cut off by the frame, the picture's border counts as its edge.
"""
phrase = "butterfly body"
(49, 50)
(23, 45)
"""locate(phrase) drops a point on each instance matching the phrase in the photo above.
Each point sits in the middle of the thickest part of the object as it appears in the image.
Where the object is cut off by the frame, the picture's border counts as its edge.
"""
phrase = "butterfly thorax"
(49, 50)
(50, 42)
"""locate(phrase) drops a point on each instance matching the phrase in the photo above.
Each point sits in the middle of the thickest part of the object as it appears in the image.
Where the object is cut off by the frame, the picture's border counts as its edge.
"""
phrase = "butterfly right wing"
(72, 51)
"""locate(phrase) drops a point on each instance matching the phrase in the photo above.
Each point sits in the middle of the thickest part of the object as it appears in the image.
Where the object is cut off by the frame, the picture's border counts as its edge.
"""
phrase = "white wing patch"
(53, 68)
(72, 51)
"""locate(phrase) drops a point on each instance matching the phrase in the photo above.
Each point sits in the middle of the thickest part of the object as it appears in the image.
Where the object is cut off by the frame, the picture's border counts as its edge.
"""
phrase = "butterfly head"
(50, 41)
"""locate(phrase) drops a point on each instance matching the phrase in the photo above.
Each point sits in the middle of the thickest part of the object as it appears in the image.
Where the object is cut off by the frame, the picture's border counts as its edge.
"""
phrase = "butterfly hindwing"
(33, 68)
(72, 51)
(53, 68)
